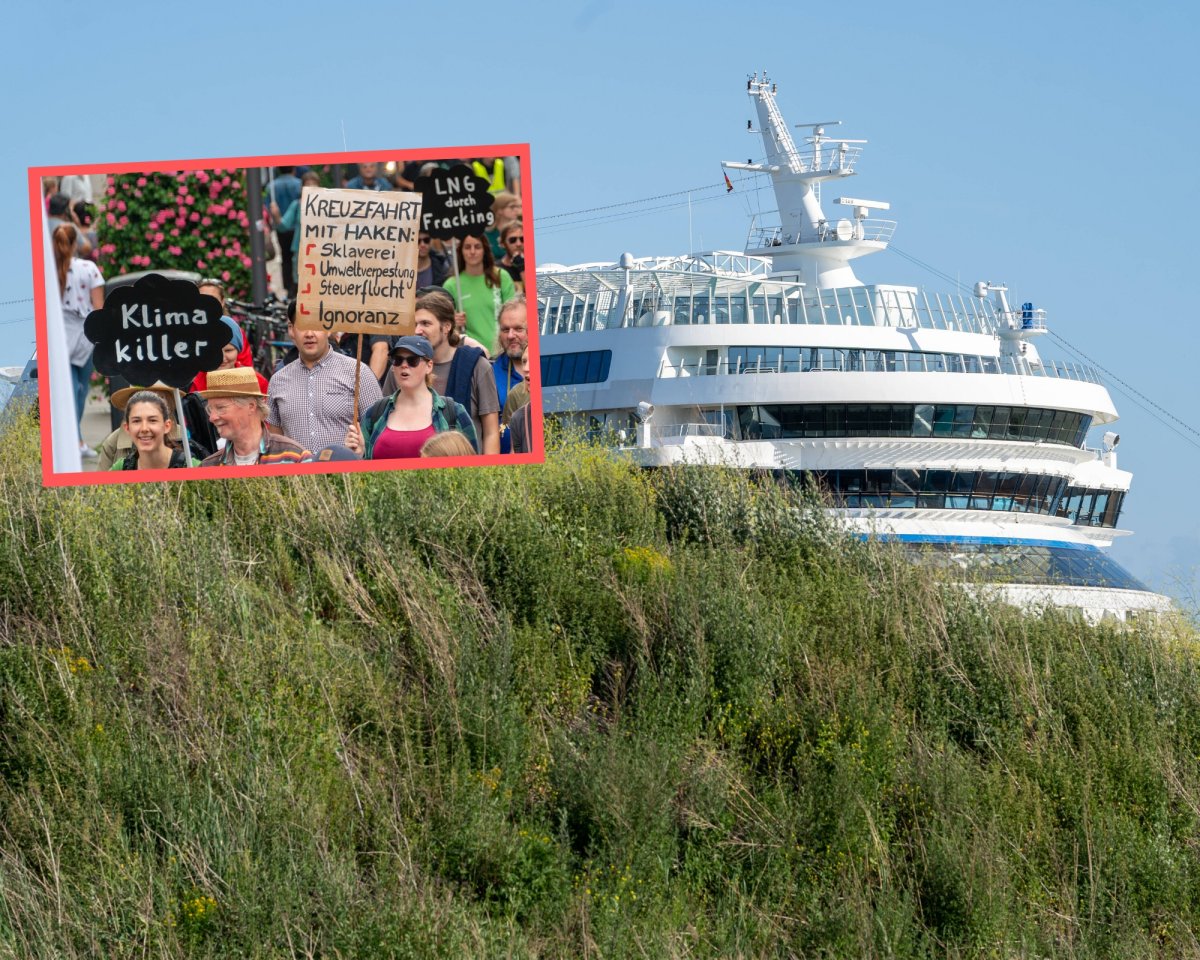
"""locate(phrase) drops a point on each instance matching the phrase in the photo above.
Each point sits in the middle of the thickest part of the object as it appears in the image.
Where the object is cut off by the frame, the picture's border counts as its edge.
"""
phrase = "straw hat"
(235, 382)
(120, 398)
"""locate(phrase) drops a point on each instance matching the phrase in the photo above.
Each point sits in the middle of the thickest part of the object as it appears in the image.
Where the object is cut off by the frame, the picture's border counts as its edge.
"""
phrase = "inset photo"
(269, 315)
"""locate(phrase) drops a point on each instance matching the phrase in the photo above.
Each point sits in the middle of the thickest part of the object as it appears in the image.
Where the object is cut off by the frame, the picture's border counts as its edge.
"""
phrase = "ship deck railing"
(840, 360)
(763, 236)
(610, 298)
(681, 431)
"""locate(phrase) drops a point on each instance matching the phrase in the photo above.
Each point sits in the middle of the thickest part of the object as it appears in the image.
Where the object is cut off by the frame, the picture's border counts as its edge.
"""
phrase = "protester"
(519, 410)
(59, 213)
(506, 210)
(511, 341)
(398, 426)
(118, 443)
(230, 358)
(375, 351)
(281, 193)
(480, 289)
(237, 408)
(81, 287)
(368, 179)
(311, 399)
(288, 222)
(459, 371)
(149, 425)
(433, 266)
(452, 444)
(213, 287)
(512, 239)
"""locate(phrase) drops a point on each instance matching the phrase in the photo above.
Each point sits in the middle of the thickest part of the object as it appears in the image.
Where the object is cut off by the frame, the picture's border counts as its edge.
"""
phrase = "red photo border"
(50, 478)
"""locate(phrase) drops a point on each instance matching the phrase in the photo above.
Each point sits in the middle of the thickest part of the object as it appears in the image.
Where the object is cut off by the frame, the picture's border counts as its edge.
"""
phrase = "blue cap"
(417, 345)
(336, 452)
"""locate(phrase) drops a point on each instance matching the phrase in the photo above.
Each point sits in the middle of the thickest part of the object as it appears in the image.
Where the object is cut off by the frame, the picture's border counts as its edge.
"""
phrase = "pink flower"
(154, 244)
(182, 178)
(233, 214)
(205, 221)
(194, 217)
(181, 212)
(174, 251)
(202, 243)
(158, 237)
(183, 190)
(121, 206)
(246, 261)
(123, 222)
(201, 176)
(137, 193)
(174, 231)
(109, 180)
(189, 199)
(228, 252)
(110, 217)
(180, 221)
(225, 275)
(141, 181)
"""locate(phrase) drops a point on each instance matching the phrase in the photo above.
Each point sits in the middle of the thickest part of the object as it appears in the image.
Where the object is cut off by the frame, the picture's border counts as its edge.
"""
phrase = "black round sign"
(158, 329)
(455, 203)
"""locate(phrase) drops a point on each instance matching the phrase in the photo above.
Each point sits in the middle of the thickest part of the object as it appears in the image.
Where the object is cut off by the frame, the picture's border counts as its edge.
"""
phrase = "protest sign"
(457, 203)
(157, 329)
(358, 261)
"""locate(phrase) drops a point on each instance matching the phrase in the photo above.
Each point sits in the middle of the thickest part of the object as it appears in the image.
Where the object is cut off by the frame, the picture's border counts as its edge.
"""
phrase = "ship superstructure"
(927, 416)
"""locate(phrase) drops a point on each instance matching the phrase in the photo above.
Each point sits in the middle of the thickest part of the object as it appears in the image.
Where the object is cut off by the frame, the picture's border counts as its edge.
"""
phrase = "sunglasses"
(410, 360)
(423, 240)
(516, 239)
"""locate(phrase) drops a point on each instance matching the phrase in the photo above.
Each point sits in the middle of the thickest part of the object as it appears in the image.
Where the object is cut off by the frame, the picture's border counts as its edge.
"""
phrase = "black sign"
(158, 329)
(456, 203)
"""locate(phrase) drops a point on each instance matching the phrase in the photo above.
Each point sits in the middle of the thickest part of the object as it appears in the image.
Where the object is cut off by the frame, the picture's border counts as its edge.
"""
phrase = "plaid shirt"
(374, 420)
(315, 405)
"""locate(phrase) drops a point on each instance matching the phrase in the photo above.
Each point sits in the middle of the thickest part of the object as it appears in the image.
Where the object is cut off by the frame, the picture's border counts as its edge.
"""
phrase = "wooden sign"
(457, 203)
(157, 329)
(358, 261)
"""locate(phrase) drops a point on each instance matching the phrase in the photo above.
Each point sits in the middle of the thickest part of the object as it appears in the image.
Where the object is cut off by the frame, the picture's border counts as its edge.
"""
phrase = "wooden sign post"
(358, 263)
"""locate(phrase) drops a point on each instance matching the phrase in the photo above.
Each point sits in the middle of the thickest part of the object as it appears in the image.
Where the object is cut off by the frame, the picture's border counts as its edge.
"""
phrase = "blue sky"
(1051, 146)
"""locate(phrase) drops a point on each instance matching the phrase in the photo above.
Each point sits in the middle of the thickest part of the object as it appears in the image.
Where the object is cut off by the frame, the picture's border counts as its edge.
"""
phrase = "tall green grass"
(565, 711)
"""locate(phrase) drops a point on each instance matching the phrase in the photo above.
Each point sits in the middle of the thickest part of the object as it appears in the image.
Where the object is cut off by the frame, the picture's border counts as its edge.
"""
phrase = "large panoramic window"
(993, 490)
(793, 421)
(588, 366)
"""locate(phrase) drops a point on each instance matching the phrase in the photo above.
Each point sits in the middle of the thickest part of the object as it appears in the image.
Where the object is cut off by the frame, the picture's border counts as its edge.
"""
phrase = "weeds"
(574, 710)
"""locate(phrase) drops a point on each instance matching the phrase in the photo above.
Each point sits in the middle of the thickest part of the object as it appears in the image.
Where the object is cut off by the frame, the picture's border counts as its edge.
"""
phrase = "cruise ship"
(927, 416)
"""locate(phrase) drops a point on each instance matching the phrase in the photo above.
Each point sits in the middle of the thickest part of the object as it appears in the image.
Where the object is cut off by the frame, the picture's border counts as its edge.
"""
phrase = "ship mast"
(805, 242)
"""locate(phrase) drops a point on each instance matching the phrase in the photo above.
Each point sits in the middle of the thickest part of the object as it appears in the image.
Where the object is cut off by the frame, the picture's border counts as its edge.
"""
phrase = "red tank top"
(400, 444)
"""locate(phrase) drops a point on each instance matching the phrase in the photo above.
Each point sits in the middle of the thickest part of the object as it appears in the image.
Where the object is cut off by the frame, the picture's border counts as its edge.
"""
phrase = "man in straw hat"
(237, 407)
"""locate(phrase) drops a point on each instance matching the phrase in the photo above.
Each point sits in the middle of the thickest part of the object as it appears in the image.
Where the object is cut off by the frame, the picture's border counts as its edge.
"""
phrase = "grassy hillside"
(562, 711)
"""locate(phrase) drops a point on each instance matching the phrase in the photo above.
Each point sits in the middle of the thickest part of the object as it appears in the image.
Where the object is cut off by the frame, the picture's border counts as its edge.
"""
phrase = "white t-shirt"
(83, 277)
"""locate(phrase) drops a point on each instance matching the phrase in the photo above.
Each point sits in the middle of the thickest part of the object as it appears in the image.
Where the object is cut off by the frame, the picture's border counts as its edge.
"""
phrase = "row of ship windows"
(977, 422)
(806, 359)
(967, 490)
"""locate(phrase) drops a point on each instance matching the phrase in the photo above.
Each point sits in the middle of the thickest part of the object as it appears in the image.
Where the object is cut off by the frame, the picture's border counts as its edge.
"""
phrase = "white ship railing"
(583, 301)
(762, 237)
(841, 360)
(679, 431)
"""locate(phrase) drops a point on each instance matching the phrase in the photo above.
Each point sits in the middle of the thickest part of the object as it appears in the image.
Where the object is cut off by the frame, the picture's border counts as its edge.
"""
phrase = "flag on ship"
(728, 184)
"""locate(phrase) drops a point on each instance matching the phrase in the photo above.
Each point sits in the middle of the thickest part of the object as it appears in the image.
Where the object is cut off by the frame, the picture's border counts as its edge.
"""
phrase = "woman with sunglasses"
(433, 266)
(480, 289)
(397, 426)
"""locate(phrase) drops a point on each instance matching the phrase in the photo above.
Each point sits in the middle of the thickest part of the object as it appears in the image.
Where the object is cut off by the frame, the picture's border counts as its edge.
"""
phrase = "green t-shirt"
(481, 304)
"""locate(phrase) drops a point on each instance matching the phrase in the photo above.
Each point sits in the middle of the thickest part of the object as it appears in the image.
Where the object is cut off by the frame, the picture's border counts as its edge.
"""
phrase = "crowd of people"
(448, 389)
